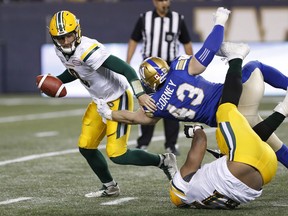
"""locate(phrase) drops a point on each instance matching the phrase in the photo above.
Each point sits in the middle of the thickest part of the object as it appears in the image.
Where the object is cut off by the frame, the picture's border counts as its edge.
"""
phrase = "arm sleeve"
(66, 77)
(211, 45)
(119, 66)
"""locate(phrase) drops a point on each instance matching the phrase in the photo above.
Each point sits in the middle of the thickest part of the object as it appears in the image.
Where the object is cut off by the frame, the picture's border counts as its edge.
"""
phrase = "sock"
(211, 45)
(137, 157)
(282, 155)
(233, 86)
(265, 128)
(97, 163)
(271, 75)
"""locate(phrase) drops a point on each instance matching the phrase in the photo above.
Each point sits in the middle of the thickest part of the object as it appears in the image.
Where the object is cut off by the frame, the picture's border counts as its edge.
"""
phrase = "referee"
(160, 31)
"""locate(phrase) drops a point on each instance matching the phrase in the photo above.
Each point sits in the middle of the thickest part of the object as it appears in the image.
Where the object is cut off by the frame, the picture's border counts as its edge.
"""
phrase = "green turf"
(57, 184)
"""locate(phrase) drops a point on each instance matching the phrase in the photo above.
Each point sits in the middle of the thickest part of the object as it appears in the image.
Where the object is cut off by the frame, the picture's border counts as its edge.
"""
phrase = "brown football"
(51, 85)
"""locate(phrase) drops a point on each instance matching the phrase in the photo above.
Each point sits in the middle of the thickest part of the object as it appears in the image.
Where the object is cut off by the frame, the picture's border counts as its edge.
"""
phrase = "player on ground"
(101, 73)
(248, 162)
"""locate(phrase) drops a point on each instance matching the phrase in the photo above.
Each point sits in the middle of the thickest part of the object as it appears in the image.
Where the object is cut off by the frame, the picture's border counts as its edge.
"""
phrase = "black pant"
(171, 130)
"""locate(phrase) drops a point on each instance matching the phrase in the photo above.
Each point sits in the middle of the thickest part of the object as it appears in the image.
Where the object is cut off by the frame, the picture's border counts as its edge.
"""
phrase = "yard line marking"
(37, 156)
(70, 151)
(49, 115)
(119, 201)
(279, 205)
(59, 114)
(46, 134)
(15, 200)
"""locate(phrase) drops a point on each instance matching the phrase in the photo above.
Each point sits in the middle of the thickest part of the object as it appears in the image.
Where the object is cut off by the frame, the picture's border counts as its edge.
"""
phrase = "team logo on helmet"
(153, 72)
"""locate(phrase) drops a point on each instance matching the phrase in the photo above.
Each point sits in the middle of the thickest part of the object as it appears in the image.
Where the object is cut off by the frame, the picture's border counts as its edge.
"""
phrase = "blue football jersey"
(185, 97)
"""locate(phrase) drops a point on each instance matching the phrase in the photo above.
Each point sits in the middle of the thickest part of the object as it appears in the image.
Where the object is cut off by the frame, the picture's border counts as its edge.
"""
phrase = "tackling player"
(184, 95)
(248, 162)
(101, 73)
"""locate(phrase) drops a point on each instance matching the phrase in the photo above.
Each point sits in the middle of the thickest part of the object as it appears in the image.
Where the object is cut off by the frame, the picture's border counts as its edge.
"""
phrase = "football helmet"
(175, 199)
(62, 24)
(153, 72)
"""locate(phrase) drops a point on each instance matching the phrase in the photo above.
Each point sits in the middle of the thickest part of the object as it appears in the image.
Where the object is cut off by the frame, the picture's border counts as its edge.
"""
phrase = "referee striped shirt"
(161, 35)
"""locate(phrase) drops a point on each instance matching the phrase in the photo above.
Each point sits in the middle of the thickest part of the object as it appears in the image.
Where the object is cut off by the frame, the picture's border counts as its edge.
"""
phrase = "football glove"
(221, 16)
(190, 129)
(103, 109)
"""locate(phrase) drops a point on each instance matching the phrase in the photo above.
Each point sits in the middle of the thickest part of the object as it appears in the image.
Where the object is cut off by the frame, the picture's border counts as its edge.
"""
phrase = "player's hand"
(221, 16)
(189, 129)
(103, 109)
(148, 102)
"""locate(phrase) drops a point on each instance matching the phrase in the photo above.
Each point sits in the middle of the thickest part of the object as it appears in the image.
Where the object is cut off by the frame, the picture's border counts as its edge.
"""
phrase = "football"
(51, 85)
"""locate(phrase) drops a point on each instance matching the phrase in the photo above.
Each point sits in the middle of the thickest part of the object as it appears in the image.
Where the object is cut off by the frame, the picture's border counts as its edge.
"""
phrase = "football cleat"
(168, 164)
(231, 50)
(282, 107)
(109, 191)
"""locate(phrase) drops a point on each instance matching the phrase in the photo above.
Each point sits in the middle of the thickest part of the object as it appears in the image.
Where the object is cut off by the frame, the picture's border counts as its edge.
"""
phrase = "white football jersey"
(214, 186)
(85, 64)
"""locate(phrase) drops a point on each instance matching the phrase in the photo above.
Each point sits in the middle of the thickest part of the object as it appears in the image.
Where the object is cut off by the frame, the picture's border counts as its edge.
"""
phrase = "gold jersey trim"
(89, 52)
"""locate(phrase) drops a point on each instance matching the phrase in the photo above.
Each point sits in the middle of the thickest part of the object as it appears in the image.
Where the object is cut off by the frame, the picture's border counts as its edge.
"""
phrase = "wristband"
(137, 88)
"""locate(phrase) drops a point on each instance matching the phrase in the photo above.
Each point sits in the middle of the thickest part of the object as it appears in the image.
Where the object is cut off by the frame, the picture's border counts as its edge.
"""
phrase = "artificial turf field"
(42, 172)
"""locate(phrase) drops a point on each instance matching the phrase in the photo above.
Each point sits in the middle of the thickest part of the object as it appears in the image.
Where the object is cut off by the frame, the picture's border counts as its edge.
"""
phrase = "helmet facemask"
(62, 24)
(66, 50)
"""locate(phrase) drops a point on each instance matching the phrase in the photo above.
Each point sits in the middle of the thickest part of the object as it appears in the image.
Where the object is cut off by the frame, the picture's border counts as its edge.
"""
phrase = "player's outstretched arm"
(211, 45)
(124, 116)
(136, 117)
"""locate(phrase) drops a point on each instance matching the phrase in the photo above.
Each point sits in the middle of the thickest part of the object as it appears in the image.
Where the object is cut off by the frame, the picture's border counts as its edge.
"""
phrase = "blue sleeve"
(211, 45)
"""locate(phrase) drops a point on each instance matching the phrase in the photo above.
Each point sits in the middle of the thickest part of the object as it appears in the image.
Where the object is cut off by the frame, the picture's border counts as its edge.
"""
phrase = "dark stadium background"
(23, 29)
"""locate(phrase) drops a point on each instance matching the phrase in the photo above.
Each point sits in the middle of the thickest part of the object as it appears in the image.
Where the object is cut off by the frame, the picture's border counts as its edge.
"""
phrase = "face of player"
(66, 41)
(162, 6)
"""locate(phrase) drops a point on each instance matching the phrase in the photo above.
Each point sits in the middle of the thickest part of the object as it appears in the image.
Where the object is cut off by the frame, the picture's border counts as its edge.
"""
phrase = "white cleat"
(221, 16)
(109, 191)
(231, 50)
(282, 107)
(168, 164)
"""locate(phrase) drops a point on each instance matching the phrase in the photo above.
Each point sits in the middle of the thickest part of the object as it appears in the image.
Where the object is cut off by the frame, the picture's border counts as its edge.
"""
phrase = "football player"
(184, 95)
(101, 73)
(248, 162)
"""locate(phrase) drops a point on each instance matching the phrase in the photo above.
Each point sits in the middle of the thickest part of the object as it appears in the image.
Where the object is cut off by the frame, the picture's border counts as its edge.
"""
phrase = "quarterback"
(105, 77)
(247, 164)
